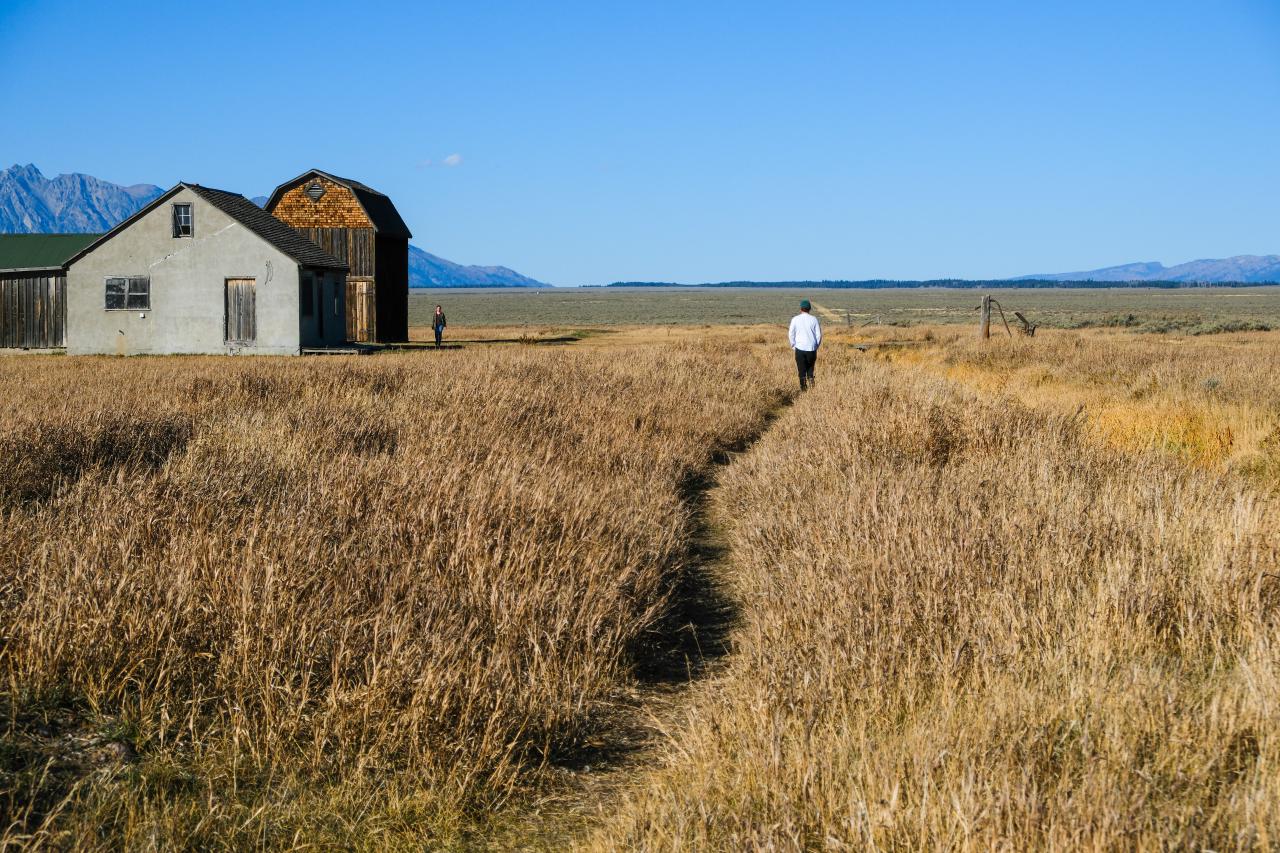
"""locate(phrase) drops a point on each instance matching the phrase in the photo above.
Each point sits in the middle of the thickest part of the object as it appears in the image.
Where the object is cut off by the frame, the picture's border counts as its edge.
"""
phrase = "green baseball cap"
(804, 305)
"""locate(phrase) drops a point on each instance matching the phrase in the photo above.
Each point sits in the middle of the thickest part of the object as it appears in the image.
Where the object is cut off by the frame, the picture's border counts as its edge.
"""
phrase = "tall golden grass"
(972, 624)
(1210, 400)
(334, 602)
(1020, 595)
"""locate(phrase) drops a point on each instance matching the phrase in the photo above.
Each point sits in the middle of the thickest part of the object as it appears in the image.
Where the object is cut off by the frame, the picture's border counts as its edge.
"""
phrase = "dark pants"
(439, 332)
(804, 365)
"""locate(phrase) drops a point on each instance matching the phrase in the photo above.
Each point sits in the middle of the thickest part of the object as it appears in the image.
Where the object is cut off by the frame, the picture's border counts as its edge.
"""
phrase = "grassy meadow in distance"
(1141, 309)
(1020, 594)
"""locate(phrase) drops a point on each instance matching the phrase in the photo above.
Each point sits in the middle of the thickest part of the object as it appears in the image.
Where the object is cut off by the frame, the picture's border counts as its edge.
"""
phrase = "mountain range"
(30, 203)
(76, 203)
(427, 270)
(1248, 269)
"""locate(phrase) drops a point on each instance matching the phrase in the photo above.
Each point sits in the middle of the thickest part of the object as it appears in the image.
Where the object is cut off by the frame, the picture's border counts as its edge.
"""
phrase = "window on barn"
(182, 220)
(129, 294)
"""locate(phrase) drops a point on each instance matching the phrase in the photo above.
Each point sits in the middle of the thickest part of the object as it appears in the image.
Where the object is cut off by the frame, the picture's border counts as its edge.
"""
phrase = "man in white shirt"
(806, 336)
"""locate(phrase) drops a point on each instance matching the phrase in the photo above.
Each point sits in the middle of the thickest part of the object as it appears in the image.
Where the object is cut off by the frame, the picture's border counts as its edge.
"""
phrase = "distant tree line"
(988, 284)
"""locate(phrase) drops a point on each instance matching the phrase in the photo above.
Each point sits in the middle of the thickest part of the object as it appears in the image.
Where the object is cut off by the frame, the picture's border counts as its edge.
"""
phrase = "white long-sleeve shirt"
(805, 333)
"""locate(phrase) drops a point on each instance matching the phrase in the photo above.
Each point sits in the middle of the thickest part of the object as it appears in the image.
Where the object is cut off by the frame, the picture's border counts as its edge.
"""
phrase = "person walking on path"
(806, 336)
(438, 323)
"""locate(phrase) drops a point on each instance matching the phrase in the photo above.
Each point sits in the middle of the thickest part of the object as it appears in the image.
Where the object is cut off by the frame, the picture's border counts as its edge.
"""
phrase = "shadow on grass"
(458, 343)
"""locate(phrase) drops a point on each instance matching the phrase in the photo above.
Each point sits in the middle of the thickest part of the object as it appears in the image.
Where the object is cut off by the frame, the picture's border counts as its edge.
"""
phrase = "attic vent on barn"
(314, 190)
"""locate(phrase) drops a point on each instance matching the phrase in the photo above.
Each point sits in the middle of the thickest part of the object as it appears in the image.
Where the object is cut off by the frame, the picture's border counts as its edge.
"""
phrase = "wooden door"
(242, 311)
(362, 320)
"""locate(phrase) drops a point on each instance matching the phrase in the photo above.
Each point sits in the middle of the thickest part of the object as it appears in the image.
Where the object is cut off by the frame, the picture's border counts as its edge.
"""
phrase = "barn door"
(361, 310)
(242, 311)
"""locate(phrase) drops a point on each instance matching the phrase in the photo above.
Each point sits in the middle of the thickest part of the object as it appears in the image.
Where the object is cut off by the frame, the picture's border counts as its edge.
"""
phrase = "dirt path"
(827, 314)
(696, 642)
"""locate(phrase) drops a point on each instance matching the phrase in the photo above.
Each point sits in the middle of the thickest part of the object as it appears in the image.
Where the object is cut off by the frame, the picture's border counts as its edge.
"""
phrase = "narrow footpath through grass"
(691, 648)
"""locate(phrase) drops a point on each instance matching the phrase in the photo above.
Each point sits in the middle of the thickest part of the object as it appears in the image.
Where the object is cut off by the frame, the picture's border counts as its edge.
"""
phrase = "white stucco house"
(201, 270)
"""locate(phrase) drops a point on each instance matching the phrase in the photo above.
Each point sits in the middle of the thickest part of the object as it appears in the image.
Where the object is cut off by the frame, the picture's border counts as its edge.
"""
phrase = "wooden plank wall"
(33, 310)
(354, 246)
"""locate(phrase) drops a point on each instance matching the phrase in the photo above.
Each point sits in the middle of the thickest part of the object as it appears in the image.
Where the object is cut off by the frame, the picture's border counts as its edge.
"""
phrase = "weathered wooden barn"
(361, 227)
(33, 288)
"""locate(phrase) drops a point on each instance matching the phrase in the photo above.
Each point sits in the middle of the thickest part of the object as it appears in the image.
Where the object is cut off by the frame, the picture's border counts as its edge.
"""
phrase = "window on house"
(182, 220)
(307, 296)
(129, 294)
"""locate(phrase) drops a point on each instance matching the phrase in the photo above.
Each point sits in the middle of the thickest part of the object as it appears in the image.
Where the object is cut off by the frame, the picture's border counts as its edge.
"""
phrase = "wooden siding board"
(60, 312)
(8, 314)
(33, 311)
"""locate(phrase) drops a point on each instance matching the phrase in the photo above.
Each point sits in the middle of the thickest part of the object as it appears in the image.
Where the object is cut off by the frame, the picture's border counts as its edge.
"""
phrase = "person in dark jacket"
(438, 323)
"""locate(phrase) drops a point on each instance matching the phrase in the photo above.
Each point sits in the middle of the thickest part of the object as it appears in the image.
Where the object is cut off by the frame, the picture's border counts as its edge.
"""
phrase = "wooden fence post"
(986, 316)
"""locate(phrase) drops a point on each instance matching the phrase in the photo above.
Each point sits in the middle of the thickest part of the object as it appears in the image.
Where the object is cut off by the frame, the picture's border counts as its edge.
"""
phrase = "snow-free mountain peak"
(1248, 269)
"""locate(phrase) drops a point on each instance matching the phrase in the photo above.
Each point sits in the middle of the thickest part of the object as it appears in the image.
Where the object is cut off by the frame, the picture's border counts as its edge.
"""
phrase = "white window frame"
(190, 224)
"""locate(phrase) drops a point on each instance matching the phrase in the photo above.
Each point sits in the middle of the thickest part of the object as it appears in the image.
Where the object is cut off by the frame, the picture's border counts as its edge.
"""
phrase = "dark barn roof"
(382, 213)
(40, 251)
(246, 213)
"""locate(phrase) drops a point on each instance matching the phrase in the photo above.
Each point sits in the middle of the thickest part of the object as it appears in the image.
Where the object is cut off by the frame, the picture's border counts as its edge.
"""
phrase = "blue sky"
(583, 143)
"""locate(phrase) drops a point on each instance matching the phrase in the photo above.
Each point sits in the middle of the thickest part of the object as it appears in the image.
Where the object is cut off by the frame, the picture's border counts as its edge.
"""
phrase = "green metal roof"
(40, 251)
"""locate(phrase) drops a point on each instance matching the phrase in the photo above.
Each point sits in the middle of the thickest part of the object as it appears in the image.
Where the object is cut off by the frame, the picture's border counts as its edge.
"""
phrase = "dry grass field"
(970, 622)
(1016, 595)
(334, 601)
